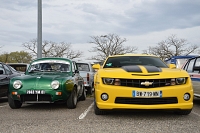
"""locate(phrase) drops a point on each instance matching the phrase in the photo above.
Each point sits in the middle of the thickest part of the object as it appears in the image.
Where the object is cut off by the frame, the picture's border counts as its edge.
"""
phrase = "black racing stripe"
(133, 68)
(151, 69)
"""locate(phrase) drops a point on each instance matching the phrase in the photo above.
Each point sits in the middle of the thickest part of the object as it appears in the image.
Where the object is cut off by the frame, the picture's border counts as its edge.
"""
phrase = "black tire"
(89, 91)
(183, 112)
(14, 104)
(83, 96)
(72, 100)
(98, 111)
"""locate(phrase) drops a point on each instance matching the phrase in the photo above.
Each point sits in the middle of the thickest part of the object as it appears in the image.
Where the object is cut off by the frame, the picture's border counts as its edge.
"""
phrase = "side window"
(75, 66)
(190, 66)
(1, 68)
(73, 70)
(7, 70)
(197, 66)
(197, 63)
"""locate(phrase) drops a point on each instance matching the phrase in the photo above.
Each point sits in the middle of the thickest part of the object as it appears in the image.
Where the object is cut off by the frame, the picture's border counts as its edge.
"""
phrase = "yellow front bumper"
(121, 91)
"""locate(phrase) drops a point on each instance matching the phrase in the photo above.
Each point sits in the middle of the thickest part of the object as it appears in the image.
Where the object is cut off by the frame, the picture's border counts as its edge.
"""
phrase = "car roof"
(52, 58)
(194, 57)
(133, 55)
(17, 63)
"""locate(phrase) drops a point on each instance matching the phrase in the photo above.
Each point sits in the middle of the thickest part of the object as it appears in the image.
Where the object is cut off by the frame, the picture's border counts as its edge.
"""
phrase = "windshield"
(83, 67)
(180, 62)
(49, 66)
(119, 61)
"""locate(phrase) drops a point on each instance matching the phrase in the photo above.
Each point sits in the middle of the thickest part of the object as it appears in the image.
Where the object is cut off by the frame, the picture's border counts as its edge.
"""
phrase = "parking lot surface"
(56, 118)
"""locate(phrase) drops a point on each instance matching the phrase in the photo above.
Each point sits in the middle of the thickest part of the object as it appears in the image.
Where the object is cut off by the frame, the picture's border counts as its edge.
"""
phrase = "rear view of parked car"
(193, 68)
(87, 72)
(22, 67)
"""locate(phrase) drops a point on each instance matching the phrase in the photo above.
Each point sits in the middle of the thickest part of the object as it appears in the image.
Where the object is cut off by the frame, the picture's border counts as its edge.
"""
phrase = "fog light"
(104, 96)
(14, 93)
(186, 96)
(59, 93)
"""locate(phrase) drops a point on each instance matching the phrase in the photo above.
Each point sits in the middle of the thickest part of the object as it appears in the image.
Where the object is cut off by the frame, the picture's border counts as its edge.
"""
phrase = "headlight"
(55, 84)
(180, 81)
(17, 84)
(111, 81)
(108, 81)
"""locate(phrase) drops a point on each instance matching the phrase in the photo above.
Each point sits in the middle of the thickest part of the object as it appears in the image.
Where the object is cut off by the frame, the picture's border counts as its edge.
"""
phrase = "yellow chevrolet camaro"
(136, 81)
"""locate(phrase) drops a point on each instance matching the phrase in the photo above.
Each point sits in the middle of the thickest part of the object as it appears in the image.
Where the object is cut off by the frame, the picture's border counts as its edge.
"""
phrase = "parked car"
(22, 67)
(48, 80)
(87, 72)
(192, 66)
(6, 73)
(179, 61)
(137, 81)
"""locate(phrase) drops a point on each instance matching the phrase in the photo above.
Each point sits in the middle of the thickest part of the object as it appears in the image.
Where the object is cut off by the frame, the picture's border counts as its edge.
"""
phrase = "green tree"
(20, 57)
(4, 57)
(16, 57)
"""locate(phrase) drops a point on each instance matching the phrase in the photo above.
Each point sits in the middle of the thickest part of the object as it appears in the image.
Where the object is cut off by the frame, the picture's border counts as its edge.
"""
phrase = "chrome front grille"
(140, 83)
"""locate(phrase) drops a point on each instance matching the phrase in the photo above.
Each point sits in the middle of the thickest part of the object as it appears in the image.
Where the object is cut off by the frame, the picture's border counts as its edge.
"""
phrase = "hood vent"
(137, 69)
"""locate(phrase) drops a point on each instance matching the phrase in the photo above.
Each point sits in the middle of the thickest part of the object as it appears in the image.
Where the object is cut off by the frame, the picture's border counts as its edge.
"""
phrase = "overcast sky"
(142, 22)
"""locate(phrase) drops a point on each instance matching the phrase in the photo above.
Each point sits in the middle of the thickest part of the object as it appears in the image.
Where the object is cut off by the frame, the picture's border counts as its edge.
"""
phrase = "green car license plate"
(35, 92)
(147, 94)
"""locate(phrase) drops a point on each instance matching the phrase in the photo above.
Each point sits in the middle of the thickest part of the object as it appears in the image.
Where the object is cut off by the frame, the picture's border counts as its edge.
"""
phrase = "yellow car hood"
(142, 72)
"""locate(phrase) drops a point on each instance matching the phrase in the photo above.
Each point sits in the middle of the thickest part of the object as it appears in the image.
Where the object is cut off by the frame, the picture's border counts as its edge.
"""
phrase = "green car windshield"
(49, 66)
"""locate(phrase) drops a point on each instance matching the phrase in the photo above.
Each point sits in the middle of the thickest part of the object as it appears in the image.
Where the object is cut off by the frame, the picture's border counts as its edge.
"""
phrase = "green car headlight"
(55, 84)
(180, 81)
(17, 84)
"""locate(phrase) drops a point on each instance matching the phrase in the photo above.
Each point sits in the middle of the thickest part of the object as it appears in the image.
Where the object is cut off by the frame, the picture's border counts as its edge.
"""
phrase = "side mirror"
(76, 71)
(1, 71)
(172, 66)
(96, 66)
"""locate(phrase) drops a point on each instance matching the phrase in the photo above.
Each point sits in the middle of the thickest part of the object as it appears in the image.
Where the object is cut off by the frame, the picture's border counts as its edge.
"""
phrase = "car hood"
(142, 72)
(41, 81)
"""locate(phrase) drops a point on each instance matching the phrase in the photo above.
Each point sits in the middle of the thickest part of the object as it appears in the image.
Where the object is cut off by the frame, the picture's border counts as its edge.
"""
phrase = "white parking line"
(3, 106)
(196, 113)
(83, 115)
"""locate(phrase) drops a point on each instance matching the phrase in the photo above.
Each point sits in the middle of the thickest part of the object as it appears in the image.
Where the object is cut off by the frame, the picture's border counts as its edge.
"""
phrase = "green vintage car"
(48, 80)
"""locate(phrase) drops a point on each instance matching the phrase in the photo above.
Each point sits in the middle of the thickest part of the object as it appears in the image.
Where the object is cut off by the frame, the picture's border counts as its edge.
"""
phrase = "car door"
(193, 68)
(77, 77)
(4, 81)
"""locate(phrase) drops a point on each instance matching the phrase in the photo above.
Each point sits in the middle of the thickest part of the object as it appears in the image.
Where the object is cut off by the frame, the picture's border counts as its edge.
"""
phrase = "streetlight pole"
(39, 30)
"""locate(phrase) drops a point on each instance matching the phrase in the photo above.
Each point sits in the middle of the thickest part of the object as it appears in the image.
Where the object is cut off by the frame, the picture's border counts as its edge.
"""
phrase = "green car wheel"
(83, 96)
(72, 101)
(14, 104)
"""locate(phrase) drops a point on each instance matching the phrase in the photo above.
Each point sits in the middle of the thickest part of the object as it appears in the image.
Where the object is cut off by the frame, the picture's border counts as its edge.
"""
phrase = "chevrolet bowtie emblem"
(146, 83)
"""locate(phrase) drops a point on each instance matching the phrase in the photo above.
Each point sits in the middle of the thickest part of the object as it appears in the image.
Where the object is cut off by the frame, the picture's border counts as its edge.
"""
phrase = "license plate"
(147, 93)
(35, 92)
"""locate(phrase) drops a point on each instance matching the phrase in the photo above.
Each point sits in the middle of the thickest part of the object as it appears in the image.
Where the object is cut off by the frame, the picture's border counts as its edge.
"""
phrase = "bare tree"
(111, 44)
(52, 49)
(173, 46)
